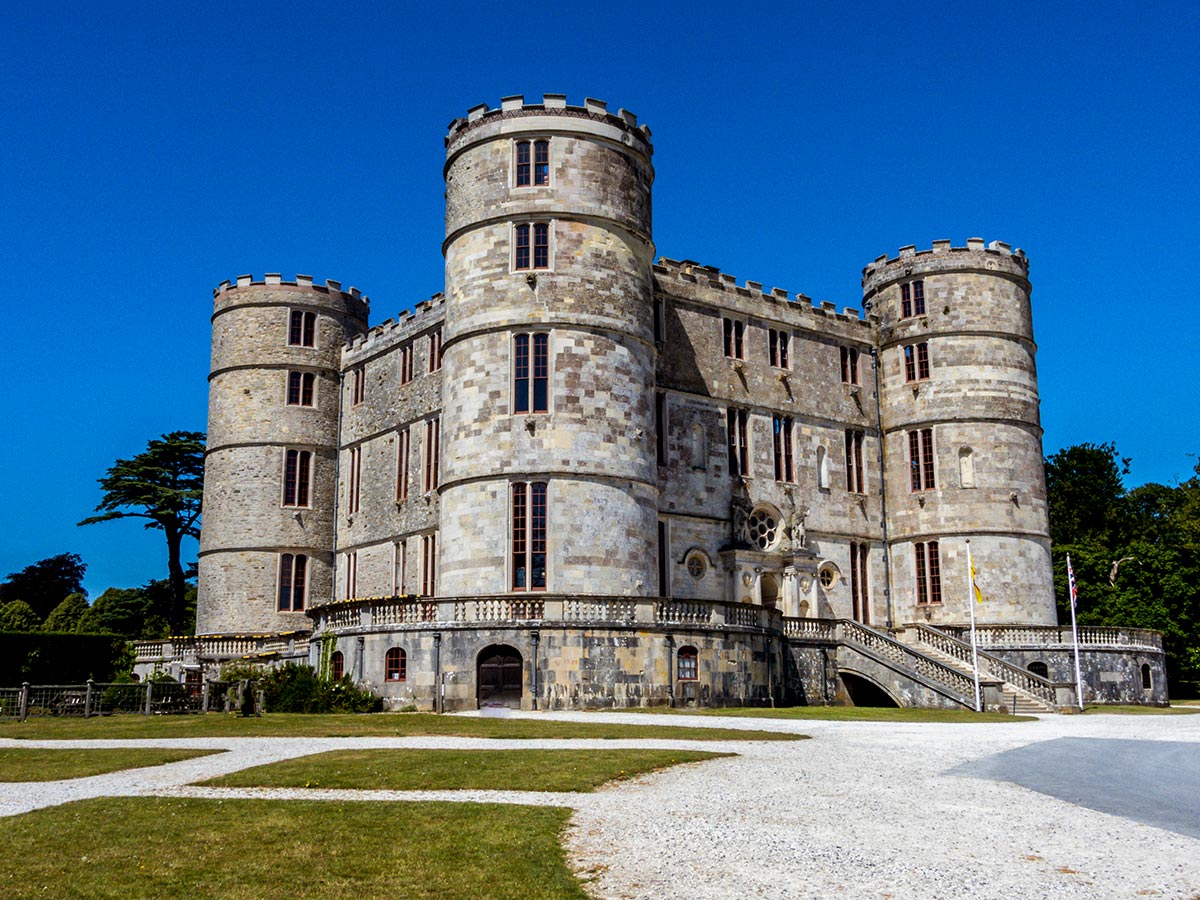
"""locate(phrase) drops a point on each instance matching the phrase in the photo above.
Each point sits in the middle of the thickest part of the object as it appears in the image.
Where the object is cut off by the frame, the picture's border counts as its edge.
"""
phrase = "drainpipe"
(533, 681)
(362, 640)
(437, 672)
(887, 554)
(670, 670)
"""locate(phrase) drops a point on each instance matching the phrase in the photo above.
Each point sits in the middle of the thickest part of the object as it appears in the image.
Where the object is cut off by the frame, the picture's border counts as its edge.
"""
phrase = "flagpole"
(971, 607)
(1075, 634)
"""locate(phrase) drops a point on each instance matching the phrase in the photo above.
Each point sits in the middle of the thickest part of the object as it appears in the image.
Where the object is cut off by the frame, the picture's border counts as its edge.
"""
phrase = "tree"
(1085, 493)
(164, 485)
(67, 615)
(46, 583)
(17, 615)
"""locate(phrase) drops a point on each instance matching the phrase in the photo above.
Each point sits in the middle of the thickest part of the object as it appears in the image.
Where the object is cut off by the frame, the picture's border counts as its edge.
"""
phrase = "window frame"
(337, 665)
(354, 486)
(738, 439)
(403, 472)
(921, 460)
(928, 573)
(395, 665)
(406, 363)
(734, 333)
(287, 576)
(429, 564)
(531, 246)
(856, 481)
(302, 328)
(916, 362)
(912, 299)
(297, 480)
(358, 385)
(435, 350)
(529, 516)
(687, 663)
(301, 388)
(782, 443)
(531, 163)
(433, 429)
(849, 356)
(531, 390)
(778, 344)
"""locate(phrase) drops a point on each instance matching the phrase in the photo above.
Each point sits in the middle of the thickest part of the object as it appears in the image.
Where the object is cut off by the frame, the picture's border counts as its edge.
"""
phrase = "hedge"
(50, 658)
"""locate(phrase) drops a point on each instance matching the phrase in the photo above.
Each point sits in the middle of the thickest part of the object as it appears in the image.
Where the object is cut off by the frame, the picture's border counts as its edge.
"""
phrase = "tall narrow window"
(350, 561)
(688, 670)
(735, 332)
(860, 602)
(912, 299)
(406, 363)
(660, 319)
(660, 428)
(855, 483)
(297, 477)
(782, 428)
(358, 386)
(849, 365)
(300, 388)
(302, 328)
(528, 537)
(664, 559)
(354, 493)
(402, 450)
(293, 581)
(432, 442)
(540, 246)
(531, 373)
(920, 459)
(399, 567)
(916, 362)
(435, 350)
(739, 451)
(929, 573)
(428, 564)
(533, 163)
(524, 164)
(778, 342)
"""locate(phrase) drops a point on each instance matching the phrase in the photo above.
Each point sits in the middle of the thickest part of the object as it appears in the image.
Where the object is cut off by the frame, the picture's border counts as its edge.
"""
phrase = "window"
(782, 427)
(778, 341)
(660, 428)
(300, 388)
(916, 362)
(358, 389)
(399, 567)
(432, 441)
(763, 528)
(855, 483)
(912, 299)
(528, 538)
(660, 319)
(920, 459)
(350, 562)
(337, 665)
(688, 664)
(293, 581)
(395, 665)
(859, 599)
(540, 248)
(428, 564)
(1040, 669)
(828, 576)
(531, 376)
(1147, 681)
(697, 565)
(406, 363)
(297, 477)
(435, 350)
(402, 447)
(849, 365)
(533, 163)
(302, 328)
(735, 333)
(929, 573)
(354, 491)
(664, 558)
(739, 452)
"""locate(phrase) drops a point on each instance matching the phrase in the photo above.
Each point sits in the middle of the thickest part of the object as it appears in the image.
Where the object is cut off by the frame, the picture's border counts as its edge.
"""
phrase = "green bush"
(44, 658)
(297, 688)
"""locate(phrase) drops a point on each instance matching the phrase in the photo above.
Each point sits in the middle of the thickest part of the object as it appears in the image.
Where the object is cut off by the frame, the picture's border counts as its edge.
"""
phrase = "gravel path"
(863, 810)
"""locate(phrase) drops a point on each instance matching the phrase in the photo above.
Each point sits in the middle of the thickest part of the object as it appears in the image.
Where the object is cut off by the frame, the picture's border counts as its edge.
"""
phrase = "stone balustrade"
(1048, 635)
(222, 647)
(989, 666)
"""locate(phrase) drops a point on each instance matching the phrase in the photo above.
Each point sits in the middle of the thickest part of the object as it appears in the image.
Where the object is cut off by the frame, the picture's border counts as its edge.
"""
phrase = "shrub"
(297, 688)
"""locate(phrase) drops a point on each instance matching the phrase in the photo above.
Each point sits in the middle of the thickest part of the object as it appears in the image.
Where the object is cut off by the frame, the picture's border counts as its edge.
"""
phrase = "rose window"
(764, 529)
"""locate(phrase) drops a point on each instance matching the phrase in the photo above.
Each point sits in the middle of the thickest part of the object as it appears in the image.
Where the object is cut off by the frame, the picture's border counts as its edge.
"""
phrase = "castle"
(586, 477)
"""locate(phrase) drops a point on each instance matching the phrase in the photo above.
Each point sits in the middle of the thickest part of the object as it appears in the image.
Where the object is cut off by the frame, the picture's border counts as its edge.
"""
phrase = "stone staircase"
(1024, 693)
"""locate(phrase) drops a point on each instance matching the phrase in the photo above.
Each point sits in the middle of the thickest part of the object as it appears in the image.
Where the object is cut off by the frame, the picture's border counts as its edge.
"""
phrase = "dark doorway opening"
(498, 676)
(861, 692)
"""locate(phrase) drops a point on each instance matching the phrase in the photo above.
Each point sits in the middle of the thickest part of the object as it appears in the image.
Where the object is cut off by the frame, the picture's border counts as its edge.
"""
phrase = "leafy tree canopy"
(67, 615)
(46, 583)
(137, 613)
(17, 615)
(1085, 491)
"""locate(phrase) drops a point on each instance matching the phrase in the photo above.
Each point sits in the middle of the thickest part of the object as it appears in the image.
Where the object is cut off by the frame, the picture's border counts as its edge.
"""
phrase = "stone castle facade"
(584, 476)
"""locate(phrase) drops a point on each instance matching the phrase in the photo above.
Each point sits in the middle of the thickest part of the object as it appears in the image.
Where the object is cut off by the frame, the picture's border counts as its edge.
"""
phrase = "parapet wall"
(424, 315)
(353, 301)
(996, 257)
(514, 107)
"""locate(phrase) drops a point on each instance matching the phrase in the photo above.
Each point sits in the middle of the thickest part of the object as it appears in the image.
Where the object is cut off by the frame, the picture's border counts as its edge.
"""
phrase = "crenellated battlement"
(515, 107)
(687, 272)
(407, 323)
(942, 255)
(271, 279)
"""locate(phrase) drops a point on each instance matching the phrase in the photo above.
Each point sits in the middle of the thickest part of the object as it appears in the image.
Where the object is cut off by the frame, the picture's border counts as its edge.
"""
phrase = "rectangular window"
(929, 573)
(297, 477)
(660, 428)
(539, 172)
(531, 377)
(429, 564)
(916, 362)
(358, 389)
(528, 539)
(540, 246)
(399, 567)
(350, 561)
(860, 602)
(524, 166)
(912, 299)
(920, 459)
(923, 361)
(300, 388)
(849, 365)
(778, 341)
(734, 339)
(302, 328)
(784, 470)
(664, 559)
(541, 162)
(293, 581)
(660, 319)
(406, 363)
(739, 453)
(355, 480)
(435, 350)
(688, 670)
(855, 482)
(432, 442)
(402, 448)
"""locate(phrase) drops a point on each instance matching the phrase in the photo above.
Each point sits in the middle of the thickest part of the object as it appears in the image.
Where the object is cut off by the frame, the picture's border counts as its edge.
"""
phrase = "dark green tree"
(67, 615)
(1086, 495)
(46, 583)
(164, 485)
(17, 615)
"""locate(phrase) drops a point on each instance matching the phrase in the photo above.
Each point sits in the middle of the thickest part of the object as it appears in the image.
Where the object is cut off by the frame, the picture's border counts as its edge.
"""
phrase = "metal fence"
(148, 698)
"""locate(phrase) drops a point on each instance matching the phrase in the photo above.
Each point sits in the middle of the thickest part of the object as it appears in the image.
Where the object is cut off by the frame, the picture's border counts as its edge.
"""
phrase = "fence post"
(87, 701)
(24, 700)
(204, 697)
(149, 694)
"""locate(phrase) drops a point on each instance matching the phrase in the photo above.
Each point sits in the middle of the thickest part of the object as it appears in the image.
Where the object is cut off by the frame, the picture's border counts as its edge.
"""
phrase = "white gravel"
(863, 810)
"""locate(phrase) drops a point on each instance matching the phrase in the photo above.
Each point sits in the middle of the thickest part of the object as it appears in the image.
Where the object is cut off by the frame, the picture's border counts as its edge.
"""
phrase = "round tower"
(548, 475)
(963, 440)
(266, 546)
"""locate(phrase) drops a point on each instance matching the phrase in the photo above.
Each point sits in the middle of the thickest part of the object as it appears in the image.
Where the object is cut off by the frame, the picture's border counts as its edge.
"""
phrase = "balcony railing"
(1094, 636)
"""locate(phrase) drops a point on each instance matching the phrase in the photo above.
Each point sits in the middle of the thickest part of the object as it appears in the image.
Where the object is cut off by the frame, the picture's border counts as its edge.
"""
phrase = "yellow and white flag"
(975, 584)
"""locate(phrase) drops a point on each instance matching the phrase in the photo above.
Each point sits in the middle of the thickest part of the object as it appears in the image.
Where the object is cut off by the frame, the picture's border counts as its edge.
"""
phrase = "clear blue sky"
(151, 150)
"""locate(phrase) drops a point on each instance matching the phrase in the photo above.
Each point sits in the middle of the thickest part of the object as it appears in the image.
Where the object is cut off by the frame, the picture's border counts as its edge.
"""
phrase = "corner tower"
(963, 439)
(548, 476)
(270, 471)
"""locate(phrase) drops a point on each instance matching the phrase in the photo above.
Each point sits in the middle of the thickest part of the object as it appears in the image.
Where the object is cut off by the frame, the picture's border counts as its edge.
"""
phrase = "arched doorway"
(860, 691)
(498, 676)
(769, 586)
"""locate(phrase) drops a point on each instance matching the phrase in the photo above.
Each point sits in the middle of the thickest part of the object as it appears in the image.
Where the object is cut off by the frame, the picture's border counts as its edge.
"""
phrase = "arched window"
(337, 665)
(688, 667)
(1147, 682)
(1039, 669)
(395, 665)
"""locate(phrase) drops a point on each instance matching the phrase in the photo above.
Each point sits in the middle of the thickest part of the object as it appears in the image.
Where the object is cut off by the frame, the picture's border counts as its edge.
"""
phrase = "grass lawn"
(415, 770)
(286, 850)
(1134, 710)
(377, 724)
(20, 764)
(846, 714)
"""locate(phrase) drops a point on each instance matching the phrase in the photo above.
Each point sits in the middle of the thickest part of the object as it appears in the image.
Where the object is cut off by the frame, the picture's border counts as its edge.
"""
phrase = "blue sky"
(152, 150)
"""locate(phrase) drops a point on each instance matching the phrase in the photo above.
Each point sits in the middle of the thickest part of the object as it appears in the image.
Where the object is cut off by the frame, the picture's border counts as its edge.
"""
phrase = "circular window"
(764, 529)
(696, 566)
(828, 576)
